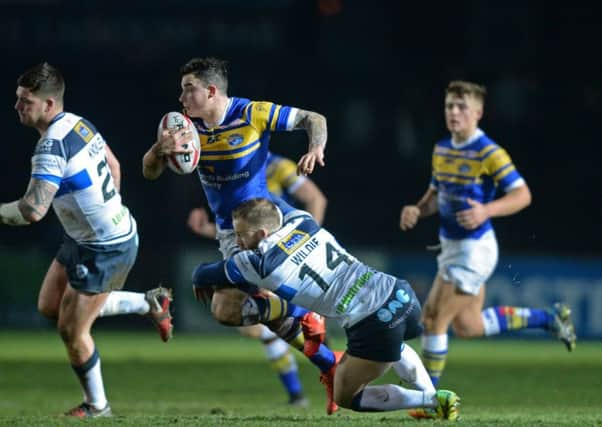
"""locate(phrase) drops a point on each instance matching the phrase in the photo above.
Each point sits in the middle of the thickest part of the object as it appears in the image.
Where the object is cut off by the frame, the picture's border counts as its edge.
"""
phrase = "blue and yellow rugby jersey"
(233, 155)
(475, 170)
(282, 178)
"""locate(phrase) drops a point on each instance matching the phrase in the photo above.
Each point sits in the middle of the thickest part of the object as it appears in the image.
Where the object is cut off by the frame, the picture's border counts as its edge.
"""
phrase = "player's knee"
(430, 317)
(343, 398)
(465, 330)
(49, 311)
(66, 331)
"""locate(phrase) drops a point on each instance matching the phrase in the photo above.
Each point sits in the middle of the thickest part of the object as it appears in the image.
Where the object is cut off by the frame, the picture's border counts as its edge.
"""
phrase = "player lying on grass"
(304, 264)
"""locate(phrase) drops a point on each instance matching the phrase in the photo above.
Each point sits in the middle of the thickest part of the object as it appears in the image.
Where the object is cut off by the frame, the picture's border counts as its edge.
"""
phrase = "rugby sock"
(500, 319)
(434, 355)
(90, 378)
(284, 363)
(324, 358)
(390, 397)
(411, 370)
(122, 302)
(272, 307)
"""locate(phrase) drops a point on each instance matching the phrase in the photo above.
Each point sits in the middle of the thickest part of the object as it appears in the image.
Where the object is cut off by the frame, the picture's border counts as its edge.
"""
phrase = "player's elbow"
(528, 197)
(150, 173)
(524, 196)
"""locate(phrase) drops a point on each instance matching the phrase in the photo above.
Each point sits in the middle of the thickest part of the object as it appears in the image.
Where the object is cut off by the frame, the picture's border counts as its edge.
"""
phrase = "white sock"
(434, 343)
(390, 397)
(266, 334)
(90, 378)
(410, 369)
(122, 302)
(491, 324)
(275, 349)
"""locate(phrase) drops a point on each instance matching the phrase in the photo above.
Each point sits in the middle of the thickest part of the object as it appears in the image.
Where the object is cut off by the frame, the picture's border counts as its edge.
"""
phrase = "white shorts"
(468, 263)
(227, 242)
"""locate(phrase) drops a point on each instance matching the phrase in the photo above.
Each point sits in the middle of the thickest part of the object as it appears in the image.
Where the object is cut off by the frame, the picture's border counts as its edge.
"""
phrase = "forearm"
(317, 209)
(206, 275)
(315, 126)
(10, 214)
(153, 164)
(511, 203)
(428, 204)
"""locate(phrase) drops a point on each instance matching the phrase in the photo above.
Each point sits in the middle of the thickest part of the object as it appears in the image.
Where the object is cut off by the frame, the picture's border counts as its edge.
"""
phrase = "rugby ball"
(181, 163)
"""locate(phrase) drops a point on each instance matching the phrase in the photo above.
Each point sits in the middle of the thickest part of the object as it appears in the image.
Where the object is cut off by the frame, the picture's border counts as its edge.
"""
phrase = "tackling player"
(304, 264)
(74, 170)
(234, 134)
(284, 182)
(468, 168)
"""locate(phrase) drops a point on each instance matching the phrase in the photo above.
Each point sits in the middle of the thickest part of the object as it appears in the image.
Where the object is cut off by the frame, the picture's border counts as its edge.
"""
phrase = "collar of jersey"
(476, 135)
(224, 115)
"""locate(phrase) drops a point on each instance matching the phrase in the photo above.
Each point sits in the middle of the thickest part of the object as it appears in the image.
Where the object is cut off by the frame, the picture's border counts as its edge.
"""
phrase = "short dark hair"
(259, 212)
(43, 79)
(211, 71)
(461, 88)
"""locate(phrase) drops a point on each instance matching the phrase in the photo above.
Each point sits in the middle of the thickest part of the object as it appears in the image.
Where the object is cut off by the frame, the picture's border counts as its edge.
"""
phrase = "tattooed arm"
(32, 207)
(315, 126)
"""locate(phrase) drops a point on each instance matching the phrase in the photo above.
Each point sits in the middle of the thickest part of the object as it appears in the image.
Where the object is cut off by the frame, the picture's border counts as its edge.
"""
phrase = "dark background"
(377, 71)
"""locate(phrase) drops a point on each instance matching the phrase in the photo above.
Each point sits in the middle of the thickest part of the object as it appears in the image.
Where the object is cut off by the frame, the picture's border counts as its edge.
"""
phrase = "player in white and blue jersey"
(304, 264)
(468, 168)
(234, 134)
(73, 169)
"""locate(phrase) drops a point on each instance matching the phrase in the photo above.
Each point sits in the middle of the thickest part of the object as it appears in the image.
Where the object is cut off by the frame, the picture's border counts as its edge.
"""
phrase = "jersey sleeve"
(498, 165)
(243, 268)
(49, 161)
(264, 115)
(286, 175)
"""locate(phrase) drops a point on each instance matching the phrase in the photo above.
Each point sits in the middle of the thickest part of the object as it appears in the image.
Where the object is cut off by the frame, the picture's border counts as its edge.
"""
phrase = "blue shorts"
(96, 269)
(379, 336)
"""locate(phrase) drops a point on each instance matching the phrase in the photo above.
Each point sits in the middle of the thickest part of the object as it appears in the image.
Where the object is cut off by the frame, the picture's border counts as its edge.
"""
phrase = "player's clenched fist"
(409, 217)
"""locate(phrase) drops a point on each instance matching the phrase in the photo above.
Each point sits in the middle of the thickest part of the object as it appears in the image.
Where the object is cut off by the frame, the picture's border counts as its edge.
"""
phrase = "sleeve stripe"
(503, 171)
(290, 120)
(272, 125)
(50, 178)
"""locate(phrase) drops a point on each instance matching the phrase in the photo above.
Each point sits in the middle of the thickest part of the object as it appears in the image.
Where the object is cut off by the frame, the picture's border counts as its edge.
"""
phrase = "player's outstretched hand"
(306, 164)
(409, 217)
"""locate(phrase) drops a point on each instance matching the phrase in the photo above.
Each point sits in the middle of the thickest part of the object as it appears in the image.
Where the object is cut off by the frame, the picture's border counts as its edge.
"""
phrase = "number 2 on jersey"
(333, 259)
(106, 195)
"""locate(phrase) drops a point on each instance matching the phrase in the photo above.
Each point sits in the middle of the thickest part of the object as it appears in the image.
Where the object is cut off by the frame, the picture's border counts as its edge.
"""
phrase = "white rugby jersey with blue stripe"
(303, 263)
(71, 156)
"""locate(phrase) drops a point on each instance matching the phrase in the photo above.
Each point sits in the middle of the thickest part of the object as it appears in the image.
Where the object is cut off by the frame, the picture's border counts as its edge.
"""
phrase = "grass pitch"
(224, 380)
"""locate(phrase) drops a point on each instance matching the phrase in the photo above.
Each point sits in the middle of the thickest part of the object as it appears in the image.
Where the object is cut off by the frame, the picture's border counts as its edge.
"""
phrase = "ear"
(49, 103)
(212, 90)
(263, 233)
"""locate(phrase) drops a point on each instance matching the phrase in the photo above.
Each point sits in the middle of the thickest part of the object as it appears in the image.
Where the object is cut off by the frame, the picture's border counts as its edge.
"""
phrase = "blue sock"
(324, 358)
(515, 318)
(291, 382)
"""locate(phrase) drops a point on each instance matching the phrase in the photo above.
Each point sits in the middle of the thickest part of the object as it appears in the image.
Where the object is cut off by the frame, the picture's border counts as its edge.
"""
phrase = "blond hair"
(259, 213)
(463, 88)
